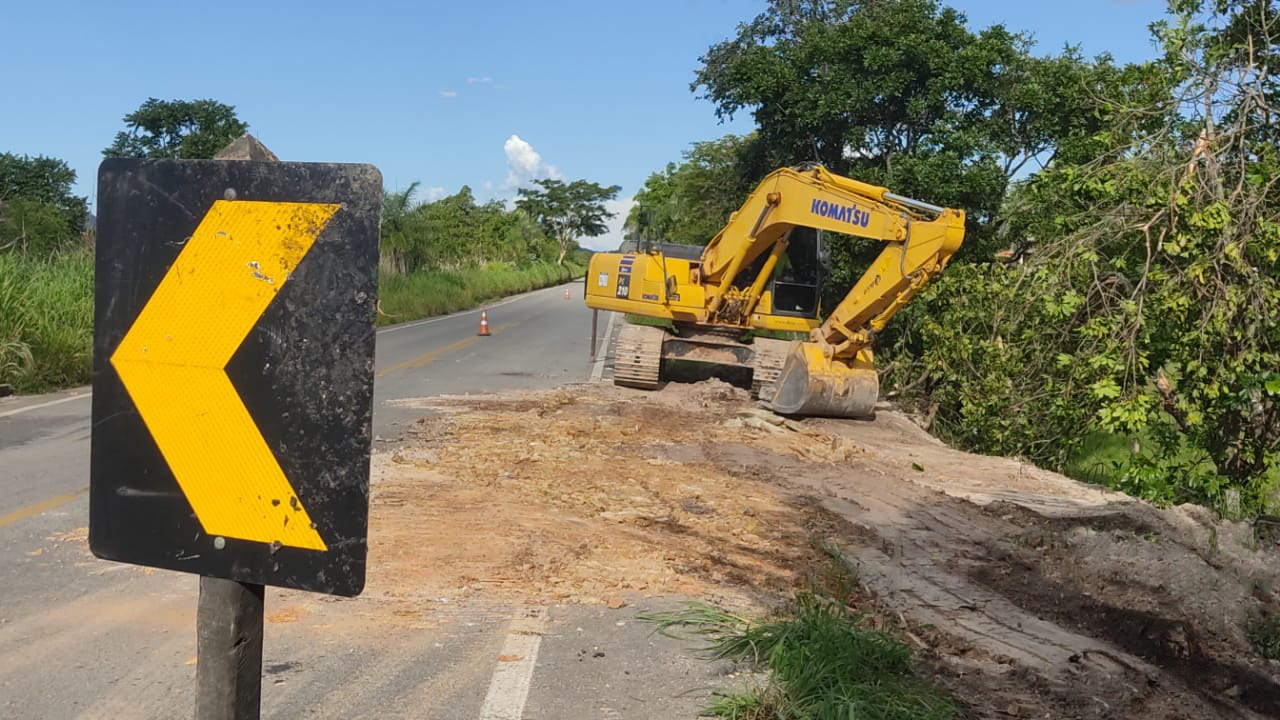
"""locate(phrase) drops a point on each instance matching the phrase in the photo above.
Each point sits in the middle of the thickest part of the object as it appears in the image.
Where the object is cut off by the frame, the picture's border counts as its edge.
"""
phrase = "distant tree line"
(40, 215)
(457, 232)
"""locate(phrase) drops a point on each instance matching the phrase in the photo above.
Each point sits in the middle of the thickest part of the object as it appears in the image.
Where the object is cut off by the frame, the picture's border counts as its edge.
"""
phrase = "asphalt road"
(85, 638)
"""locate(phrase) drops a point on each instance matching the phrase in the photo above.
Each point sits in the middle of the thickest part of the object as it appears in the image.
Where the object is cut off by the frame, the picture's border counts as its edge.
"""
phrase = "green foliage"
(1263, 630)
(34, 228)
(182, 129)
(1149, 302)
(569, 211)
(689, 203)
(822, 665)
(900, 93)
(38, 213)
(427, 293)
(455, 233)
(972, 345)
(1100, 458)
(46, 320)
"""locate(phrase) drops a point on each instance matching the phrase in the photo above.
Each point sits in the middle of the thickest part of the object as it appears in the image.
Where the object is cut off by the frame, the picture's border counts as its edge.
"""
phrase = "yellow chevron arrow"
(173, 363)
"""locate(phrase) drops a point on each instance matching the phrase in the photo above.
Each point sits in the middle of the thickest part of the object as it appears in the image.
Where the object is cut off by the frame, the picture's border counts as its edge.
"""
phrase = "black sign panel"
(233, 369)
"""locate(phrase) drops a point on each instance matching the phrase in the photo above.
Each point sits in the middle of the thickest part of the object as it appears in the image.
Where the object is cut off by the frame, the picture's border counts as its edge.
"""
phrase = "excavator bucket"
(813, 385)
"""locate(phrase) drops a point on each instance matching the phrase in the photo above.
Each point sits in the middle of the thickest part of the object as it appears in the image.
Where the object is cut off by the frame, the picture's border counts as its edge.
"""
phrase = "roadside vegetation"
(438, 292)
(437, 257)
(46, 312)
(46, 276)
(1114, 310)
(814, 659)
(455, 253)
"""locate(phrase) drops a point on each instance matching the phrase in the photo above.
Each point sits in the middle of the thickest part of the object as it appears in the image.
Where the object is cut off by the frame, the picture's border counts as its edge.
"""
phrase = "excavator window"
(797, 281)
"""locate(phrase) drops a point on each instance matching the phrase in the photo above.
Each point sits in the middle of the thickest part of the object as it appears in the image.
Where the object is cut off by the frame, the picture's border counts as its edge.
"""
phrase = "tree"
(38, 212)
(690, 202)
(396, 210)
(570, 211)
(1151, 306)
(456, 232)
(182, 129)
(897, 93)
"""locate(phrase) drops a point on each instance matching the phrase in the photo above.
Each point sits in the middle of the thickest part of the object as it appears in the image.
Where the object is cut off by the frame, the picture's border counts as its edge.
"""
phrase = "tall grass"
(821, 665)
(46, 309)
(46, 320)
(437, 292)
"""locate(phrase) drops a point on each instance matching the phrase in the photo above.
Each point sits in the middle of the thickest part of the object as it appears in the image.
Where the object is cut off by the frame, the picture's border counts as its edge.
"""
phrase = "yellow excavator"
(764, 272)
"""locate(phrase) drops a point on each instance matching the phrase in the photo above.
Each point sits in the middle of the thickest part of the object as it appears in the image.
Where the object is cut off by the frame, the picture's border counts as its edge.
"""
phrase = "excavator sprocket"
(770, 356)
(637, 358)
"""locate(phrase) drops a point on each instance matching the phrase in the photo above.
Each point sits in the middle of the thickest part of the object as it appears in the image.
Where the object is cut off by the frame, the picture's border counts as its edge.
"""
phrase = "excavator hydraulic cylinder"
(813, 384)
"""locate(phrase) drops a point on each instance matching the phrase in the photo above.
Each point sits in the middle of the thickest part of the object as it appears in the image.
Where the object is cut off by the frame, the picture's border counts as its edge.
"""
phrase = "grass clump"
(1263, 631)
(46, 320)
(427, 293)
(821, 664)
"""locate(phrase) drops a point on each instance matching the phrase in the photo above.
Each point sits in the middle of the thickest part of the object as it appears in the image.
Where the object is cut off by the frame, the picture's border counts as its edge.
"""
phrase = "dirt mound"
(577, 498)
(1030, 594)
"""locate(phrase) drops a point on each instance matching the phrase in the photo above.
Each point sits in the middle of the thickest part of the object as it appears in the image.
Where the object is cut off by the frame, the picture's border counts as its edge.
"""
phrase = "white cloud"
(612, 238)
(483, 79)
(449, 94)
(524, 164)
(435, 193)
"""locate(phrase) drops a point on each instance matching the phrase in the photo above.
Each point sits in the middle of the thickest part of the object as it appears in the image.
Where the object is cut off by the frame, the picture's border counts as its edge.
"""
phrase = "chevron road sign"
(233, 369)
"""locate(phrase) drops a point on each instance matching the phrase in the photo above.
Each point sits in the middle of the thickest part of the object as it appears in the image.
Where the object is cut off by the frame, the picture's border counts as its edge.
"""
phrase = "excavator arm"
(833, 373)
(919, 238)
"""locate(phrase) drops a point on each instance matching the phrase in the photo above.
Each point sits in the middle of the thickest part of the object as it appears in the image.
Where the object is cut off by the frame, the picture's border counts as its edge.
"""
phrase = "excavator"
(762, 274)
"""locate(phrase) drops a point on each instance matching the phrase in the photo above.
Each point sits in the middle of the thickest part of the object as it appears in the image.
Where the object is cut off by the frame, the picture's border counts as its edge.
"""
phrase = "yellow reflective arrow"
(173, 360)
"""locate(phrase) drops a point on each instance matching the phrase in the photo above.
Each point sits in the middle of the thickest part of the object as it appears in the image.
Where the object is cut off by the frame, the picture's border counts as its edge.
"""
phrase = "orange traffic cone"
(484, 323)
(566, 293)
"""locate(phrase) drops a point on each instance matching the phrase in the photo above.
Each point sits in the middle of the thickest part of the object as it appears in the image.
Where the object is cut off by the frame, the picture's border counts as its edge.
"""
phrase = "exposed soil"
(1029, 594)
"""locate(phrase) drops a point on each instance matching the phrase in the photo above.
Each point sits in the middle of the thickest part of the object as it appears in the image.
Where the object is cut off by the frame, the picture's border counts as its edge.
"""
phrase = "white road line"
(500, 303)
(59, 401)
(598, 371)
(509, 688)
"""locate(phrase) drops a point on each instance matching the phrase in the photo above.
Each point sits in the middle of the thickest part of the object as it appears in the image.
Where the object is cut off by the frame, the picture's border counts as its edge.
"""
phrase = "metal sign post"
(595, 319)
(233, 387)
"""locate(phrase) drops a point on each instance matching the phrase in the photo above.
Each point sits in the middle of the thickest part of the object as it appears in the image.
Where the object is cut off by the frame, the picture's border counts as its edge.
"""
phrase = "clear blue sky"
(428, 91)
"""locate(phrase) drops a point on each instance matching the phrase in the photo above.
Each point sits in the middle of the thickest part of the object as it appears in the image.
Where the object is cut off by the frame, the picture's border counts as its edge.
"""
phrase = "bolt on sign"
(233, 369)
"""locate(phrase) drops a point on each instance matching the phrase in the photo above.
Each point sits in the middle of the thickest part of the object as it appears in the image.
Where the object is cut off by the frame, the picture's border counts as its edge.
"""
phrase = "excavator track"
(637, 358)
(770, 356)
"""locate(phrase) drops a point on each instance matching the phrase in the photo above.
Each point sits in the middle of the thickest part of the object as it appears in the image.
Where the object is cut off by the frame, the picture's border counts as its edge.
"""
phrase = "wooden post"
(229, 616)
(229, 650)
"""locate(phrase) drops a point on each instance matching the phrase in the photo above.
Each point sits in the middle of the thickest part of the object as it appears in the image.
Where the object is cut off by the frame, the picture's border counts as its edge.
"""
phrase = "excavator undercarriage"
(640, 352)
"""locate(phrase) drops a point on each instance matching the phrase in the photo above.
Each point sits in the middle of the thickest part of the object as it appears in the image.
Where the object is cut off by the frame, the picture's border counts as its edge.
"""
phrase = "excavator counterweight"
(762, 275)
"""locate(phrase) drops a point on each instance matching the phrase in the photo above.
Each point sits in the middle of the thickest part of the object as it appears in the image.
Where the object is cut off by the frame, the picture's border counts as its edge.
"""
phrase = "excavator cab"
(797, 284)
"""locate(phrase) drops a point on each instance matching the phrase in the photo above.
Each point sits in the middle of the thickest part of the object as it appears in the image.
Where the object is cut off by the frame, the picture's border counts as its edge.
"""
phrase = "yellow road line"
(431, 356)
(33, 510)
